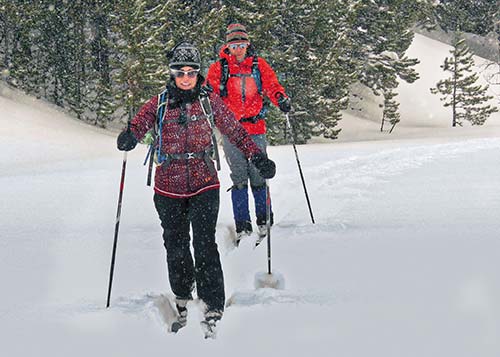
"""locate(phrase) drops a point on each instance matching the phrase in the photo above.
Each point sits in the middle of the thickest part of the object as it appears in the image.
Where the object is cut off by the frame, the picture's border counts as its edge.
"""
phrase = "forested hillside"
(102, 59)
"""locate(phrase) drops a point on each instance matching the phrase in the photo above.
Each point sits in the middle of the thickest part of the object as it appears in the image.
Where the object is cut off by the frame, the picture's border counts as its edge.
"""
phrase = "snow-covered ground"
(403, 259)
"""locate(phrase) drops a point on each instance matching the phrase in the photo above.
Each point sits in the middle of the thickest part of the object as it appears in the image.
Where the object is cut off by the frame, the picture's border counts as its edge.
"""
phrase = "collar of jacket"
(178, 97)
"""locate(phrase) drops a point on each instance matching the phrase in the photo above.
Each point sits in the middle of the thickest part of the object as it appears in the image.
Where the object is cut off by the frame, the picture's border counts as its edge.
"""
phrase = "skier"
(186, 183)
(242, 79)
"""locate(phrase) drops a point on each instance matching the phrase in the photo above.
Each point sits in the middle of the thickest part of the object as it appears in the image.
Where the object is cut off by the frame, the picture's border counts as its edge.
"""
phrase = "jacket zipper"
(186, 150)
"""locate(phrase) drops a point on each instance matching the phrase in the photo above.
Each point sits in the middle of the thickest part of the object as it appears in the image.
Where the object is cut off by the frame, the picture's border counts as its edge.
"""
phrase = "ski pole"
(268, 226)
(117, 224)
(298, 164)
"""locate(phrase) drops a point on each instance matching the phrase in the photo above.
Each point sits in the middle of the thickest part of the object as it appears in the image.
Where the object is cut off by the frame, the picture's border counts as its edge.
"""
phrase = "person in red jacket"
(186, 183)
(243, 79)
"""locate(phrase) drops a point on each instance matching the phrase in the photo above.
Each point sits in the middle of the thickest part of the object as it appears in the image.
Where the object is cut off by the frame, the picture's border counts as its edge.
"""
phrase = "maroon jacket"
(188, 177)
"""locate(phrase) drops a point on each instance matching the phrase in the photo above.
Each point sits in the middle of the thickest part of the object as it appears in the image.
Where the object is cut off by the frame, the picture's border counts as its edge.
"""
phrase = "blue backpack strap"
(256, 74)
(160, 114)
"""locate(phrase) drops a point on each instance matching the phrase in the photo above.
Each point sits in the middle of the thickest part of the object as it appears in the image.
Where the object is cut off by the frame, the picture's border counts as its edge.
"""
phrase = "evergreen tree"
(307, 41)
(101, 98)
(17, 19)
(460, 92)
(138, 55)
(278, 37)
(478, 16)
(390, 112)
(54, 42)
(335, 69)
(78, 57)
(381, 32)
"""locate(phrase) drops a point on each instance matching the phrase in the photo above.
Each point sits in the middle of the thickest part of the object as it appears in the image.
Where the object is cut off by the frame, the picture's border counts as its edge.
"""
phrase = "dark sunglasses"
(234, 46)
(177, 73)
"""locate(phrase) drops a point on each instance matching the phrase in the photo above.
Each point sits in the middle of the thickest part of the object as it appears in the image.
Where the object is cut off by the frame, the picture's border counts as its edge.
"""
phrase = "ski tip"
(176, 326)
(209, 331)
(258, 241)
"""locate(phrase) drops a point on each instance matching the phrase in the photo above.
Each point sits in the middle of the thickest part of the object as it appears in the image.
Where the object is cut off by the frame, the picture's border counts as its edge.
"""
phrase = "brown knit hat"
(236, 33)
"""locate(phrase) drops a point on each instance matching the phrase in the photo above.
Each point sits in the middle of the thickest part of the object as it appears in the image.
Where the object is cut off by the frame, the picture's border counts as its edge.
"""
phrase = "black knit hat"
(184, 54)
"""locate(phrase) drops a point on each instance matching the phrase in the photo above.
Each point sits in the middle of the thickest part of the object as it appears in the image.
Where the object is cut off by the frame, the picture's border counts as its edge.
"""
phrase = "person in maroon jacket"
(186, 183)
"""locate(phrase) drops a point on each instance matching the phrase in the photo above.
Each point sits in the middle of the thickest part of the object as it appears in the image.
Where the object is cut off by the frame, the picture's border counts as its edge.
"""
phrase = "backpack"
(225, 75)
(154, 153)
(255, 74)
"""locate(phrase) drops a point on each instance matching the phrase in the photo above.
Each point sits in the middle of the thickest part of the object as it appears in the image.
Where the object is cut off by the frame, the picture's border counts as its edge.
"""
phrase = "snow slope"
(402, 260)
(420, 109)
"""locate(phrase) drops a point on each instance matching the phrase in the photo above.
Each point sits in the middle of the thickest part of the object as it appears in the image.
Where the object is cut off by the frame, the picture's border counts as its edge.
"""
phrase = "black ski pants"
(176, 216)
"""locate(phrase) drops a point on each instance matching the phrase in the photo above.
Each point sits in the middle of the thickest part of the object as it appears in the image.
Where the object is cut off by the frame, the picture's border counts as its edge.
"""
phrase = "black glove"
(266, 167)
(284, 103)
(126, 141)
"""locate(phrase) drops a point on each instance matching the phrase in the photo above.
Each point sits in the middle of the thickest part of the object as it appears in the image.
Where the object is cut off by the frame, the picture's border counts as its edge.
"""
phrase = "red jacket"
(253, 102)
(188, 177)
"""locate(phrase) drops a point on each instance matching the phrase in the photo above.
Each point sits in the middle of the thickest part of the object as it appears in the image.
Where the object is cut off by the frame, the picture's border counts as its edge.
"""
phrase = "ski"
(174, 319)
(239, 237)
(209, 324)
(176, 326)
(260, 238)
(209, 329)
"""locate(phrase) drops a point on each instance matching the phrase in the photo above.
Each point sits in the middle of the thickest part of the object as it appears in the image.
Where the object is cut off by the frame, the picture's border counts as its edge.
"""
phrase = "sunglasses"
(177, 73)
(234, 46)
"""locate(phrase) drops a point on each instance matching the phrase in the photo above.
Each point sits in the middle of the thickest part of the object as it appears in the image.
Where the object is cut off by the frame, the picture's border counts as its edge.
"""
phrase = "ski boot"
(182, 311)
(262, 228)
(242, 229)
(209, 325)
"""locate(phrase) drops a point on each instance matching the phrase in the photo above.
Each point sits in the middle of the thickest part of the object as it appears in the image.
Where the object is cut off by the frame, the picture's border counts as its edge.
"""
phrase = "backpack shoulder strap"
(256, 73)
(160, 114)
(224, 77)
(206, 106)
(160, 110)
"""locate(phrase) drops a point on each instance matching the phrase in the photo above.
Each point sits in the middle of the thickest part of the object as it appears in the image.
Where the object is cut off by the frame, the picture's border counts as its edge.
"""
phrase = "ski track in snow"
(351, 179)
(268, 296)
(150, 306)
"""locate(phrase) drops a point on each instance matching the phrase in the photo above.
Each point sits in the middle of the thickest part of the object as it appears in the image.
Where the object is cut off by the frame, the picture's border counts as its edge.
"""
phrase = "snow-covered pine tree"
(390, 112)
(101, 103)
(460, 91)
(293, 57)
(306, 44)
(53, 41)
(201, 22)
(78, 58)
(17, 24)
(137, 53)
(478, 16)
(381, 31)
(334, 70)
